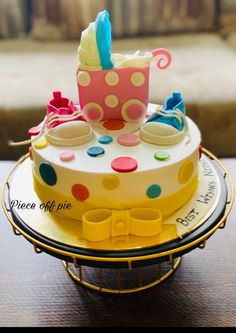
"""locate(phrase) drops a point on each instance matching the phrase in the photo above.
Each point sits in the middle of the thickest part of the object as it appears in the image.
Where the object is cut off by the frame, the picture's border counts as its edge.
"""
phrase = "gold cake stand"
(121, 264)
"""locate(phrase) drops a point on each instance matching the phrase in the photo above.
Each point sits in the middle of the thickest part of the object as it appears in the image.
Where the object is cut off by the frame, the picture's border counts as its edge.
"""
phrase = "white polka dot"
(84, 79)
(112, 78)
(111, 101)
(137, 79)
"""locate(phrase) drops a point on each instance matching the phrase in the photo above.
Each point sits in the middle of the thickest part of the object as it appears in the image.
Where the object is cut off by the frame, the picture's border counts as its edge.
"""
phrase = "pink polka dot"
(135, 112)
(128, 139)
(93, 114)
(67, 156)
(124, 164)
(80, 192)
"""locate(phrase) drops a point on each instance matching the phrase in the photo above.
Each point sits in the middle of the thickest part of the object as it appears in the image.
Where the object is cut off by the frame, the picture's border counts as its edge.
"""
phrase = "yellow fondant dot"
(111, 182)
(112, 78)
(84, 79)
(137, 79)
(40, 143)
(111, 101)
(186, 172)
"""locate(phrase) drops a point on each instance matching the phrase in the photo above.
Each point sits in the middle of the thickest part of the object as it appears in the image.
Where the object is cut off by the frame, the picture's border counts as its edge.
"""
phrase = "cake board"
(189, 228)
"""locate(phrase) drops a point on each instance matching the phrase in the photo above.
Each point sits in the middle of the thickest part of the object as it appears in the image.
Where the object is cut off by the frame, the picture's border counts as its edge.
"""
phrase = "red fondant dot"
(113, 124)
(33, 131)
(80, 192)
(124, 164)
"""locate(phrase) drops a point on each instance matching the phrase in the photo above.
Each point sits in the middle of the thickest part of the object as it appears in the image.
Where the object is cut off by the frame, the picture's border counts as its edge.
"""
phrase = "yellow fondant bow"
(100, 224)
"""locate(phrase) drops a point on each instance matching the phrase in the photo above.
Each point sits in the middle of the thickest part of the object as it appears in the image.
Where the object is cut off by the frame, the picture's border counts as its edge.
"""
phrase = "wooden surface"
(36, 291)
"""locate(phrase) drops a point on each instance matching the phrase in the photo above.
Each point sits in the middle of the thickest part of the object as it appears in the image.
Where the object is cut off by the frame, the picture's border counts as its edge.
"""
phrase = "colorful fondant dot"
(135, 112)
(48, 173)
(33, 131)
(105, 140)
(112, 101)
(137, 79)
(93, 114)
(84, 79)
(154, 191)
(40, 143)
(162, 156)
(128, 139)
(31, 153)
(67, 156)
(93, 111)
(80, 192)
(186, 172)
(95, 151)
(124, 164)
(113, 124)
(111, 182)
(112, 78)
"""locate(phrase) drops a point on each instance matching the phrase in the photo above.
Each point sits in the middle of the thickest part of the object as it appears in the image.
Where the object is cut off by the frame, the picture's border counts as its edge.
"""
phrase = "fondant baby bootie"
(61, 106)
(72, 133)
(63, 125)
(168, 125)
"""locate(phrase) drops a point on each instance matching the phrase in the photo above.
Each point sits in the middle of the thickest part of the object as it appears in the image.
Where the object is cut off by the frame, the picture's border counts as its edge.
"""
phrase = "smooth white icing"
(91, 171)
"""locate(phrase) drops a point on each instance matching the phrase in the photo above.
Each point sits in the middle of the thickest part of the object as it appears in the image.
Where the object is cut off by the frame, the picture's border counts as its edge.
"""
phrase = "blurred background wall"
(39, 39)
(65, 19)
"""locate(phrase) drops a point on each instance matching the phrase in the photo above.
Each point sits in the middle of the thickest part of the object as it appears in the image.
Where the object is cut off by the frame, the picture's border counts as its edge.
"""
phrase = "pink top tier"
(120, 93)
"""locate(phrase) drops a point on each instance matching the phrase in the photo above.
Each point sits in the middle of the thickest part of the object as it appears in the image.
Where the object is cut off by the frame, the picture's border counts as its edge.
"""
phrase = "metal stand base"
(122, 281)
(130, 269)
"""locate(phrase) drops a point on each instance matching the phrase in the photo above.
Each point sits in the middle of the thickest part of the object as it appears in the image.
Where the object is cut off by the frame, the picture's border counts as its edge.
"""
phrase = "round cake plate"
(187, 229)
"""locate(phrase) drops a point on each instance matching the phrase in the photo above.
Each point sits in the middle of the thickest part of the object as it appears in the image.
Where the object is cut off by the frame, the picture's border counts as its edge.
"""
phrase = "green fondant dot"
(162, 155)
(154, 191)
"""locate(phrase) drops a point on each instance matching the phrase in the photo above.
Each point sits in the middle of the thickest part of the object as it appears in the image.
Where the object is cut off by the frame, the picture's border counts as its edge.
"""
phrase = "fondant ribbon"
(100, 224)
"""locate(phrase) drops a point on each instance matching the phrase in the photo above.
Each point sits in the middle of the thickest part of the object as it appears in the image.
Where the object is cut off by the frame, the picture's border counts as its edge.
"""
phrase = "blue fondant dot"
(95, 151)
(154, 191)
(105, 140)
(48, 173)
